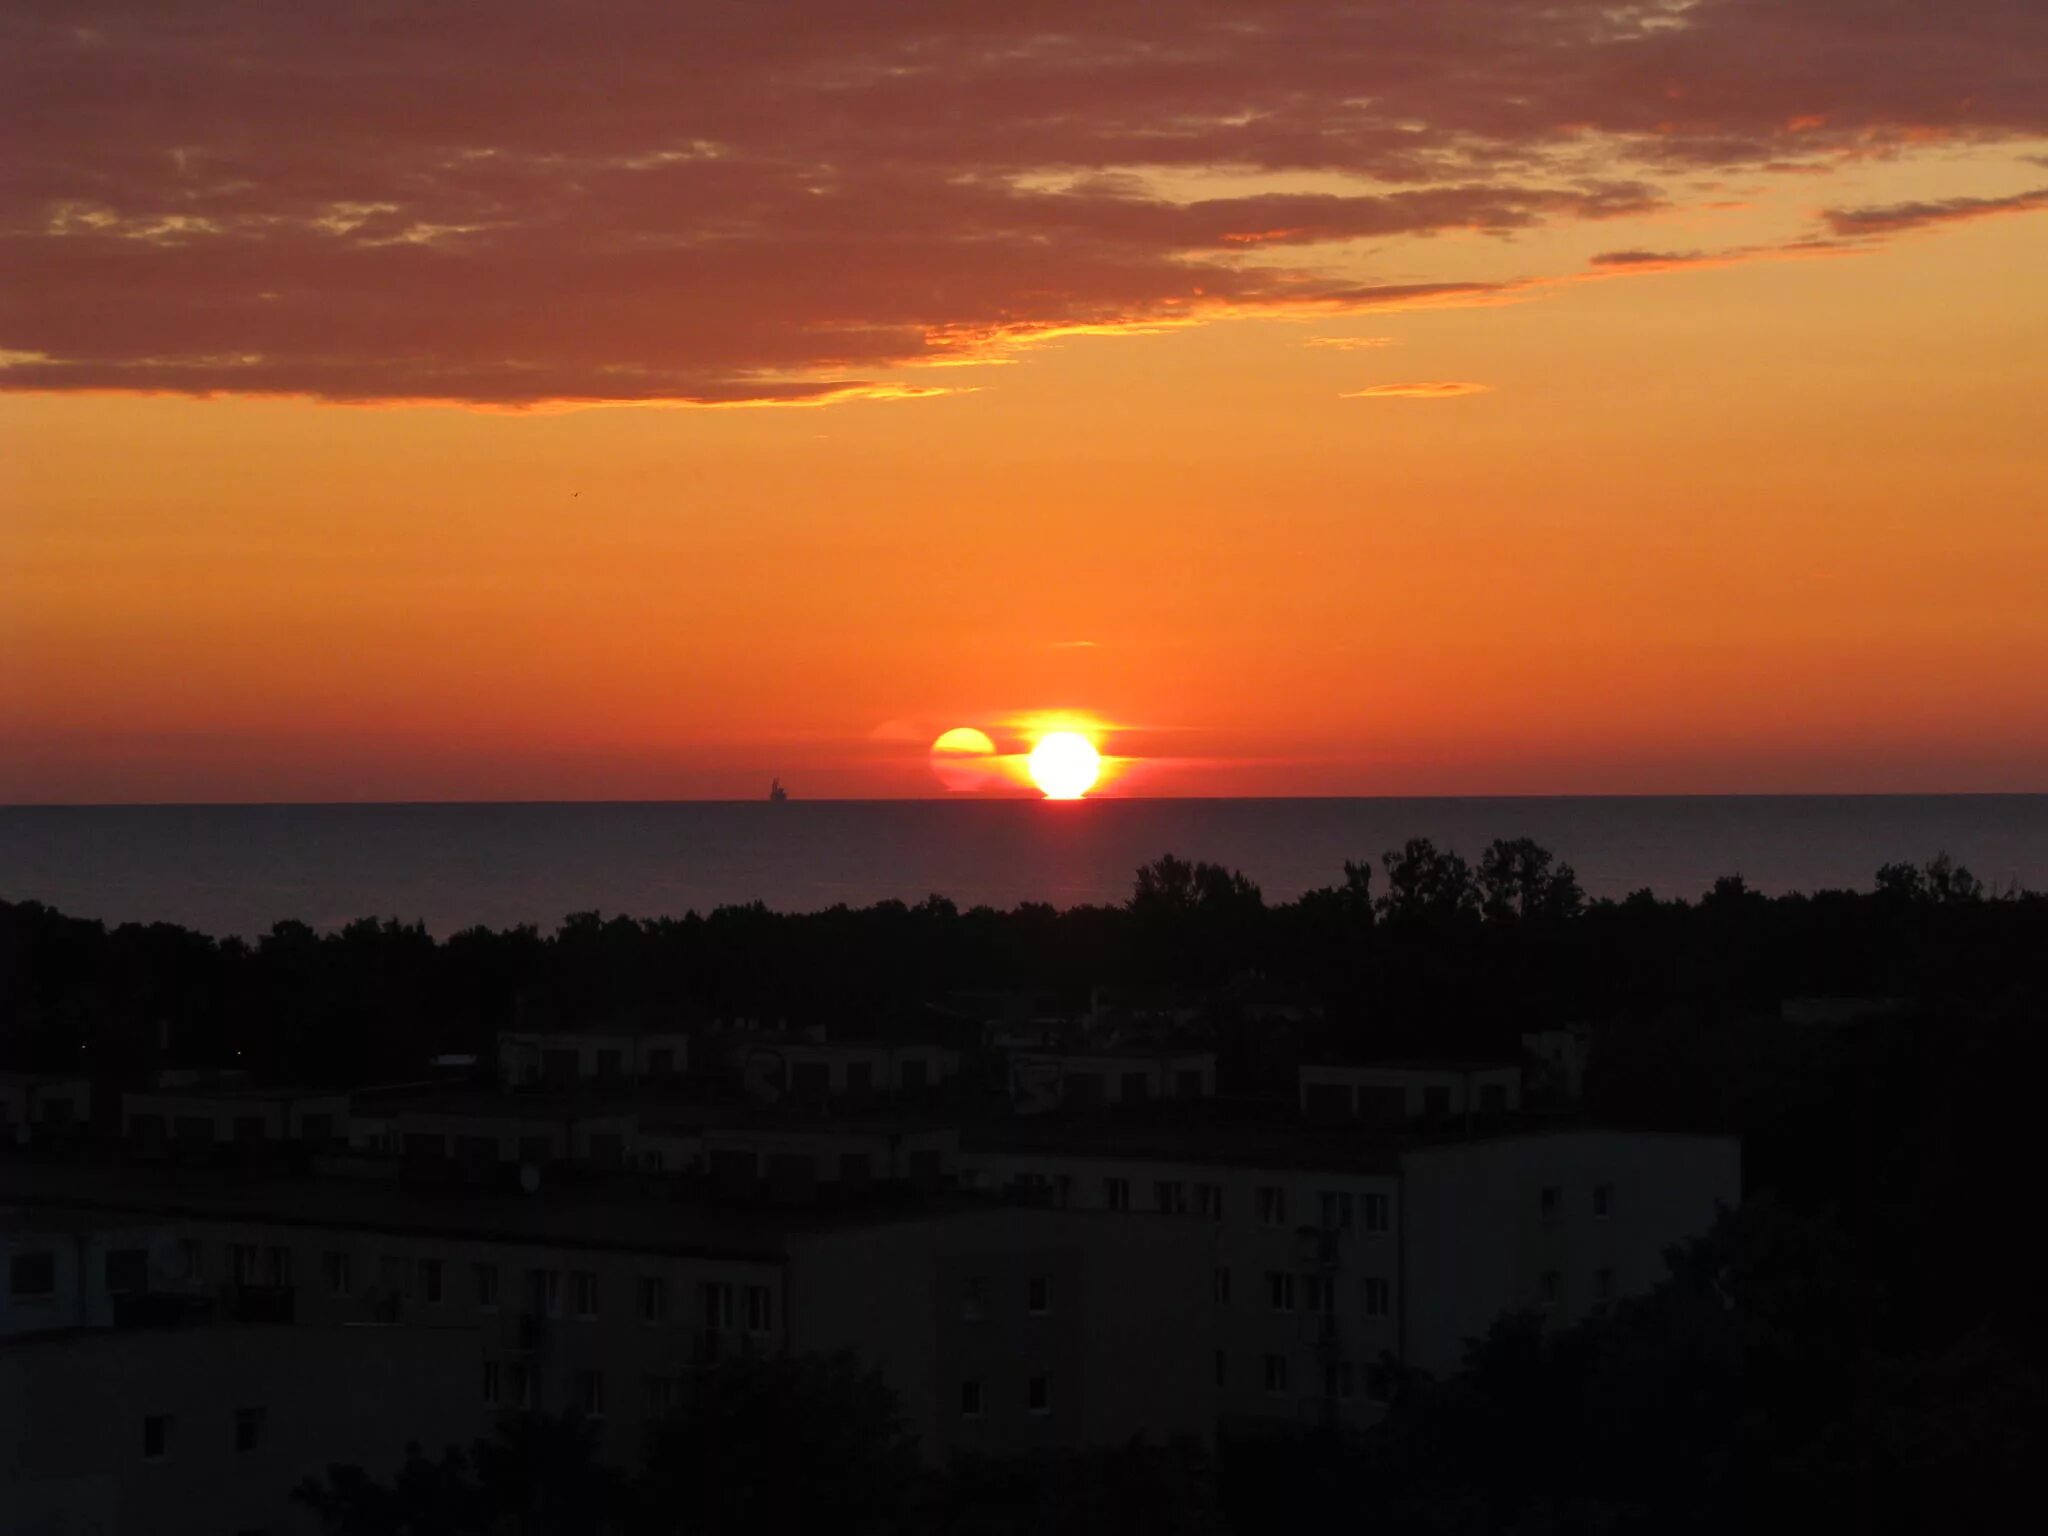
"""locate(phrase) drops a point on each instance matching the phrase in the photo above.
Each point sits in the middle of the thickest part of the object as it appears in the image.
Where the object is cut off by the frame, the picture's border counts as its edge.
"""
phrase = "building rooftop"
(1416, 1064)
(1117, 1053)
(234, 1089)
(615, 1217)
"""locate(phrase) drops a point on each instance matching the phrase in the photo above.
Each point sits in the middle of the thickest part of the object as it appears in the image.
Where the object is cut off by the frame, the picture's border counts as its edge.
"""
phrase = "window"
(336, 1269)
(1550, 1202)
(973, 1299)
(718, 1310)
(1172, 1196)
(248, 1429)
(760, 1309)
(1493, 1099)
(1272, 1206)
(657, 1395)
(1553, 1288)
(1317, 1294)
(1379, 1383)
(653, 1299)
(588, 1387)
(1280, 1290)
(1276, 1374)
(32, 1276)
(1223, 1287)
(1436, 1103)
(1038, 1395)
(611, 1063)
(1116, 1194)
(1038, 1296)
(1209, 1201)
(544, 1292)
(486, 1286)
(156, 1436)
(1222, 1369)
(1603, 1285)
(191, 1258)
(277, 1264)
(522, 1387)
(970, 1399)
(493, 1383)
(1375, 1211)
(394, 1276)
(1343, 1384)
(584, 1282)
(430, 1280)
(1336, 1211)
(242, 1263)
(661, 1062)
(1603, 1201)
(1379, 1296)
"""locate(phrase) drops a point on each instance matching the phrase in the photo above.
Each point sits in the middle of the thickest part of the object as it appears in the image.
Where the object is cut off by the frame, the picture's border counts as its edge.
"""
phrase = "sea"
(238, 869)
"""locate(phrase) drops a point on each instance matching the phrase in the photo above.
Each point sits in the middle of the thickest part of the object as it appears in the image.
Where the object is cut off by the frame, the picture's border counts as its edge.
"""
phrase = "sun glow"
(1065, 765)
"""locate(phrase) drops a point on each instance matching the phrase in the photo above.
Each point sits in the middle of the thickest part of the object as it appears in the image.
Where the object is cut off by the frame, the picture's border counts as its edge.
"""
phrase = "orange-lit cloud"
(1897, 218)
(1442, 389)
(513, 202)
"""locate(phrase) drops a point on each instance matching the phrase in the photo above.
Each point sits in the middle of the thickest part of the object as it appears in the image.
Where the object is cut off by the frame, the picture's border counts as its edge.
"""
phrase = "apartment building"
(42, 1106)
(1391, 1094)
(1095, 1079)
(560, 1060)
(784, 1069)
(1001, 1327)
(482, 1132)
(204, 1430)
(205, 1119)
(1342, 1256)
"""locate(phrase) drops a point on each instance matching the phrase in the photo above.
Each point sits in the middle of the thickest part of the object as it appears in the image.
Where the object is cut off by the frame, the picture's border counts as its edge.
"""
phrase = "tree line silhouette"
(1444, 956)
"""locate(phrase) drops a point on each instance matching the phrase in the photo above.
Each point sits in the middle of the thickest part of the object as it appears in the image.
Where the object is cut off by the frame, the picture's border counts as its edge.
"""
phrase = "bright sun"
(1065, 765)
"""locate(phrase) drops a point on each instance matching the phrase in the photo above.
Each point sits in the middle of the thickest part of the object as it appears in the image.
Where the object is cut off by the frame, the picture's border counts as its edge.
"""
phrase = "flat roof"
(1112, 1053)
(595, 1216)
(482, 1104)
(233, 1090)
(1417, 1064)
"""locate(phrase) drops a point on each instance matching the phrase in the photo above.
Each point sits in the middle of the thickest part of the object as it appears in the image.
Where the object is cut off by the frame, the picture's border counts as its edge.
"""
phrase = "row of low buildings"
(1074, 1266)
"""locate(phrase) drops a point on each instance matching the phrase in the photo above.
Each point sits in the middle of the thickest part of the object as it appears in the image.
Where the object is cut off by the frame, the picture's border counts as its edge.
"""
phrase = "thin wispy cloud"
(1897, 218)
(1439, 389)
(1350, 343)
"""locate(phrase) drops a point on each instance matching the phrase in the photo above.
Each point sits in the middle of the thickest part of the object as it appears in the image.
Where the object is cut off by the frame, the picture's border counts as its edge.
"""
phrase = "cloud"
(516, 202)
(1436, 390)
(1350, 343)
(1896, 218)
(1648, 258)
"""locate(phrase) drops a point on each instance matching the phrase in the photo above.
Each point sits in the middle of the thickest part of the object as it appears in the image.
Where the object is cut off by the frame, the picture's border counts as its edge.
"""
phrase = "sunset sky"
(524, 401)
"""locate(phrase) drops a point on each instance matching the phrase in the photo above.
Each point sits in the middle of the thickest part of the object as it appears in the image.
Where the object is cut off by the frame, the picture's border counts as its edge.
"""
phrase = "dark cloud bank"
(515, 202)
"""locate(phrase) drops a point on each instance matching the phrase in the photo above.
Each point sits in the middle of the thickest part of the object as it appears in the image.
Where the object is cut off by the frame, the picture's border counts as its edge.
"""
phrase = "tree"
(539, 1475)
(1519, 879)
(798, 1443)
(1423, 883)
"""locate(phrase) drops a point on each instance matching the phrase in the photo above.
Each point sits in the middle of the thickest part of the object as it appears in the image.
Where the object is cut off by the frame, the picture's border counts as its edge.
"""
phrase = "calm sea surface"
(238, 869)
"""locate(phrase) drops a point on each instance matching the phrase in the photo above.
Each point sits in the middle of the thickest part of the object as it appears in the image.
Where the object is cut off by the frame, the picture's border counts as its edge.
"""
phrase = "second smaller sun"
(1065, 765)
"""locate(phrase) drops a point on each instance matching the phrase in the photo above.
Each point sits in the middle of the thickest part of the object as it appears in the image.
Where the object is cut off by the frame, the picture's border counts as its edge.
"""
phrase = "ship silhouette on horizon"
(776, 793)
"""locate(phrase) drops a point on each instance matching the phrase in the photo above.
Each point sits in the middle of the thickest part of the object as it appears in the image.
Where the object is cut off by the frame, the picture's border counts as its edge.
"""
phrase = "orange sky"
(1759, 502)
